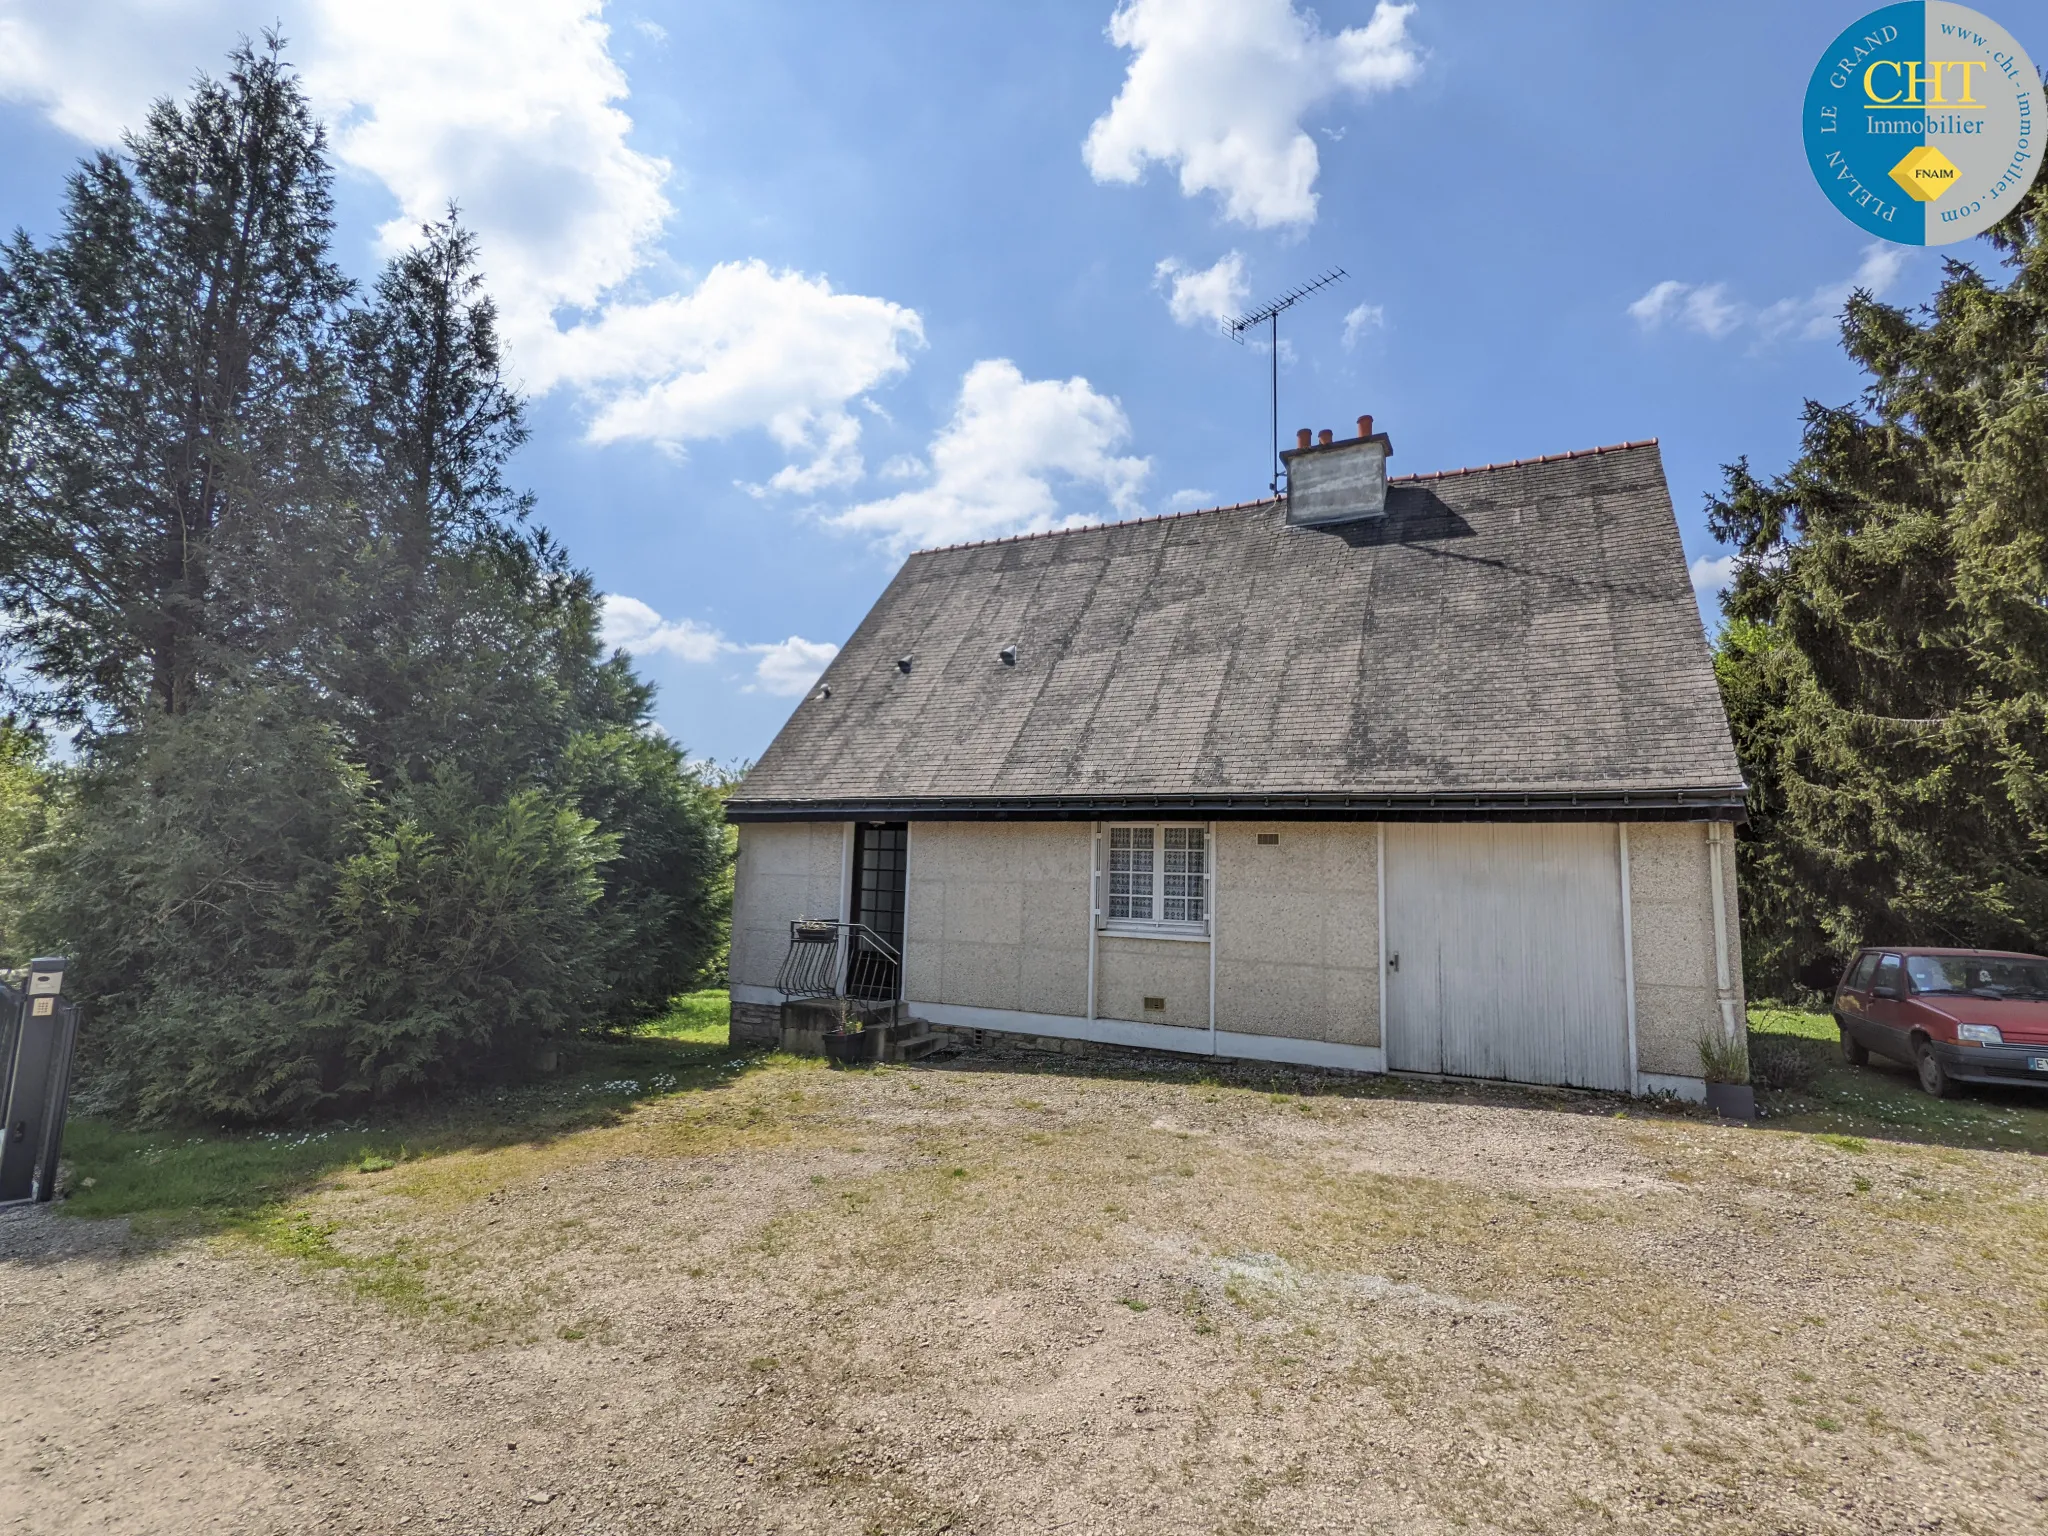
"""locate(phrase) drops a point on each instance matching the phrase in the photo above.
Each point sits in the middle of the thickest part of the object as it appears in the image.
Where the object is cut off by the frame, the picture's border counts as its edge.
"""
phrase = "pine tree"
(362, 808)
(1885, 659)
(167, 400)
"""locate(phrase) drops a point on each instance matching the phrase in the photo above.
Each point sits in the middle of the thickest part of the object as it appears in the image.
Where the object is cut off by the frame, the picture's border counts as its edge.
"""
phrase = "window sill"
(1147, 931)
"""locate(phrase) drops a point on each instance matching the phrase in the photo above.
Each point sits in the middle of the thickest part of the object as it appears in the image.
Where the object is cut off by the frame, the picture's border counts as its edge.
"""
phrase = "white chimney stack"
(1332, 482)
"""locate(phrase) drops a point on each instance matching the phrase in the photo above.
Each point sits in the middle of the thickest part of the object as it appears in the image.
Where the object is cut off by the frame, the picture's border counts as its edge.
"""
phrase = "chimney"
(1326, 437)
(1301, 437)
(1332, 482)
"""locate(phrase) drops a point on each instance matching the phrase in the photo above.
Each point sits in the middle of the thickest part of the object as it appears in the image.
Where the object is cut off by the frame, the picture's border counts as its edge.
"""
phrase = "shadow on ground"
(187, 1180)
(1803, 1084)
(182, 1181)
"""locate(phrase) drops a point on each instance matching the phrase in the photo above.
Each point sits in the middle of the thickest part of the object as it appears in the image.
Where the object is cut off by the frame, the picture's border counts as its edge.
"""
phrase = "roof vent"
(1333, 482)
(1008, 655)
(903, 664)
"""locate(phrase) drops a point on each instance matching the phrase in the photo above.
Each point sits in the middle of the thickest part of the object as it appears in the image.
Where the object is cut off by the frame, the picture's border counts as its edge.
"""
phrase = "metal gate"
(1504, 952)
(38, 1030)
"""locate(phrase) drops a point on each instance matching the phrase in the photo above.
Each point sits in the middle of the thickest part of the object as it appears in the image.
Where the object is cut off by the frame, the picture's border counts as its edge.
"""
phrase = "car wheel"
(1933, 1075)
(1854, 1051)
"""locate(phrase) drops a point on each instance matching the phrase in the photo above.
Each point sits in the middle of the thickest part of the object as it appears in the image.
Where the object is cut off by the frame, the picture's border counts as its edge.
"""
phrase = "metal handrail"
(823, 955)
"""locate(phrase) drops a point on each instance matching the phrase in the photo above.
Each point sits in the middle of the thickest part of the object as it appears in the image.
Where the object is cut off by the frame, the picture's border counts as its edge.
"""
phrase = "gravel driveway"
(1009, 1295)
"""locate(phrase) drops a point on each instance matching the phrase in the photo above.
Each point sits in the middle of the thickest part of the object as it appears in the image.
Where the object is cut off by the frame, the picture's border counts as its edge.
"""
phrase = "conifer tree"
(361, 807)
(167, 399)
(1885, 655)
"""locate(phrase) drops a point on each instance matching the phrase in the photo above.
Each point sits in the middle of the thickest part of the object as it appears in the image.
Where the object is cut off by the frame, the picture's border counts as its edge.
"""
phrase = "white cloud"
(1215, 294)
(631, 626)
(1710, 578)
(1707, 309)
(1820, 312)
(1188, 500)
(513, 109)
(749, 348)
(1366, 317)
(510, 108)
(93, 65)
(1701, 307)
(791, 666)
(786, 667)
(993, 465)
(1218, 89)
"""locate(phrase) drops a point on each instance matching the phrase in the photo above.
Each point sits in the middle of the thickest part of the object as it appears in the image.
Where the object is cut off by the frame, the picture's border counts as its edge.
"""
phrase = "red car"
(1957, 1015)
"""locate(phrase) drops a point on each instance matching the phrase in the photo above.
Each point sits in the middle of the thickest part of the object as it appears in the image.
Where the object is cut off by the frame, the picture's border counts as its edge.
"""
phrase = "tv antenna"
(1269, 316)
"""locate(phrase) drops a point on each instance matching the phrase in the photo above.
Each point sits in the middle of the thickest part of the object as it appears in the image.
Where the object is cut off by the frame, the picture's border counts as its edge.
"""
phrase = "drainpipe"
(846, 916)
(1628, 961)
(1723, 983)
(1094, 907)
(1209, 875)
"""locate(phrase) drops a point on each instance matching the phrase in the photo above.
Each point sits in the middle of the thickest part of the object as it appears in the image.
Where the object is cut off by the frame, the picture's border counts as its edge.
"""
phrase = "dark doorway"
(880, 869)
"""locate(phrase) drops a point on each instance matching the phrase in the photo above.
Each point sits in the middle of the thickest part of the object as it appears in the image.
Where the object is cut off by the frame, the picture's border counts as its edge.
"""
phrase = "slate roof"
(1516, 639)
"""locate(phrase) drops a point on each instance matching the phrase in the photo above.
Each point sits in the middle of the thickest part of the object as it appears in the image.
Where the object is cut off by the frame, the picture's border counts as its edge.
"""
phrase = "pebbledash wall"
(999, 935)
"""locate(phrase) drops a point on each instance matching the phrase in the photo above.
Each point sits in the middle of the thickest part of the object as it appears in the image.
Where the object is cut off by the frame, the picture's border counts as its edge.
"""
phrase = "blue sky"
(799, 286)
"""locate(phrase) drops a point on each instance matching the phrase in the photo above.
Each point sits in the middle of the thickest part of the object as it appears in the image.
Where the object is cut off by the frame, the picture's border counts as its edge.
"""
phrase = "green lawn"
(700, 1018)
(206, 1177)
(1803, 1084)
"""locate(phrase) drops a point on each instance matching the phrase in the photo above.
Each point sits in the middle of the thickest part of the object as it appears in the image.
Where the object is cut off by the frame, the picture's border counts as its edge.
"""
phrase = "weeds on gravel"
(392, 1278)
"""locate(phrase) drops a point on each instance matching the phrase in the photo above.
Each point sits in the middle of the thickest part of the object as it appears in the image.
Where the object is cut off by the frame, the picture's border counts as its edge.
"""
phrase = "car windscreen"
(1978, 977)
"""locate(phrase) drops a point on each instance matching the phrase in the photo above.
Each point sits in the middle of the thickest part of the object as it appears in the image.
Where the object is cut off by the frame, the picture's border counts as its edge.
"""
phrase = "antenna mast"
(1269, 316)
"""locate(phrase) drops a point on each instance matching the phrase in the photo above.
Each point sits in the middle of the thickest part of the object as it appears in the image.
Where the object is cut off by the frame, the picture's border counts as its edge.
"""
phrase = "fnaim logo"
(1922, 122)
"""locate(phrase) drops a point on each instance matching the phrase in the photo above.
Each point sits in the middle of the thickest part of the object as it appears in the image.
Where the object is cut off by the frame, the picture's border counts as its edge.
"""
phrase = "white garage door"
(1504, 952)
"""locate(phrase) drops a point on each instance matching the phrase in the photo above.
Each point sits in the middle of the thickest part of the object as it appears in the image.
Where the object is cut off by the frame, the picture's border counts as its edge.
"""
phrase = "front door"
(1504, 952)
(874, 973)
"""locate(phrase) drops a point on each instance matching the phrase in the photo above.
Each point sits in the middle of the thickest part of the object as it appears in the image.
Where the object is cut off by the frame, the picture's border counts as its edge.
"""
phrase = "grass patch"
(1803, 1084)
(199, 1178)
(392, 1278)
(696, 1018)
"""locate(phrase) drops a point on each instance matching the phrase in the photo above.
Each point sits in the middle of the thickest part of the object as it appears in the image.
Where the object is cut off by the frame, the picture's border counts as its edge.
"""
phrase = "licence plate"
(2037, 1063)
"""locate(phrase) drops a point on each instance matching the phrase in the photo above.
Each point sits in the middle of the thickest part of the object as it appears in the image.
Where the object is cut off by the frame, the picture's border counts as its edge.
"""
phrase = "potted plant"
(1725, 1065)
(846, 1045)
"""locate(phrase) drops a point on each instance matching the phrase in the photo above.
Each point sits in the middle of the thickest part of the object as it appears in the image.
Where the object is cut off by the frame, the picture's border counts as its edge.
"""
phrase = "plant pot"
(846, 1047)
(1732, 1101)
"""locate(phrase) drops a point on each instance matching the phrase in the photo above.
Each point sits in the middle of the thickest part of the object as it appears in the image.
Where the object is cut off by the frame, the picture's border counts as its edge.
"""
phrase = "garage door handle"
(1393, 962)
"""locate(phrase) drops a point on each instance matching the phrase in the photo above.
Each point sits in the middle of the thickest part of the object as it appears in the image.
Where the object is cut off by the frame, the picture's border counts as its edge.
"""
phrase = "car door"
(1885, 1008)
(1852, 1000)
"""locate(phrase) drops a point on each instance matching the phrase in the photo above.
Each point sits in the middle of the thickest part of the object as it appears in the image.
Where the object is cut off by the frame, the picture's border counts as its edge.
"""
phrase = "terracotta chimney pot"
(1301, 437)
(1365, 426)
(1326, 437)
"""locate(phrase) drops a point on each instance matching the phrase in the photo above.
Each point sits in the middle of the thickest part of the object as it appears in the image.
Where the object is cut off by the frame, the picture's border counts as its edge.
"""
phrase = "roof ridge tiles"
(1128, 522)
(1266, 501)
(1546, 458)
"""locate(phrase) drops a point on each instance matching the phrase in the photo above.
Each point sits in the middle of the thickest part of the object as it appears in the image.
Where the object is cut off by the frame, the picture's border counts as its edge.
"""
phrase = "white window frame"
(1156, 926)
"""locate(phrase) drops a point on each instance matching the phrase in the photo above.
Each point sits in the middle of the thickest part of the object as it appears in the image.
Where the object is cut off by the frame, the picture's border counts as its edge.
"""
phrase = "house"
(1423, 774)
